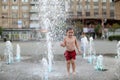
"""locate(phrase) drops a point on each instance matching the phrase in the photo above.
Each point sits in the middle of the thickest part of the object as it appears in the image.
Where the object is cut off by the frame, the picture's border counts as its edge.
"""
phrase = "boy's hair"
(69, 28)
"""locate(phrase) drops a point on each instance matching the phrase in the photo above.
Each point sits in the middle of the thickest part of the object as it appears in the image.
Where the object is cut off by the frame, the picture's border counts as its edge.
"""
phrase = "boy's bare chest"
(70, 41)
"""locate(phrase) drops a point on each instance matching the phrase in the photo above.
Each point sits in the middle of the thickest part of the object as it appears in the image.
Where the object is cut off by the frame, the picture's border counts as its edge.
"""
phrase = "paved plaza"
(30, 67)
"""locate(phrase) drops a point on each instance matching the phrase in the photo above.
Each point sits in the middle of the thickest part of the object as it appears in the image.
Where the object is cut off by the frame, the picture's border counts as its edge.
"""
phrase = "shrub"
(114, 37)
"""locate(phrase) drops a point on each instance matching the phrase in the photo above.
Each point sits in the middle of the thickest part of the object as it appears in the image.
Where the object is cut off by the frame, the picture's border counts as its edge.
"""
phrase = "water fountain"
(18, 56)
(118, 50)
(8, 52)
(99, 63)
(51, 20)
(45, 69)
(117, 70)
(92, 52)
(84, 46)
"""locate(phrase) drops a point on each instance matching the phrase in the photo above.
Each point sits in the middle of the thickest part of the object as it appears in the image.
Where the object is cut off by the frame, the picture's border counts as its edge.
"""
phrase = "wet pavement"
(30, 67)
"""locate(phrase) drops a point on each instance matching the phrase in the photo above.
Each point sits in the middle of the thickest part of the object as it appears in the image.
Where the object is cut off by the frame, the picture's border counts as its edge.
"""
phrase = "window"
(14, 15)
(96, 14)
(104, 7)
(35, 0)
(96, 3)
(25, 15)
(87, 7)
(14, 0)
(111, 0)
(4, 7)
(14, 7)
(4, 0)
(24, 7)
(104, 3)
(112, 6)
(95, 0)
(104, 13)
(112, 14)
(79, 7)
(96, 6)
(87, 13)
(87, 1)
(103, 0)
(14, 23)
(24, 0)
(79, 14)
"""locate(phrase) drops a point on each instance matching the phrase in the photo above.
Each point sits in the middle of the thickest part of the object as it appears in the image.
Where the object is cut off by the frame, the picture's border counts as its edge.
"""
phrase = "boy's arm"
(77, 45)
(63, 44)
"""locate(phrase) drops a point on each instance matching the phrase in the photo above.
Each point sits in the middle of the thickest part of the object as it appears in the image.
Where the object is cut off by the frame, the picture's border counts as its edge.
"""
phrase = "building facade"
(16, 15)
(91, 9)
(87, 14)
(24, 13)
(117, 9)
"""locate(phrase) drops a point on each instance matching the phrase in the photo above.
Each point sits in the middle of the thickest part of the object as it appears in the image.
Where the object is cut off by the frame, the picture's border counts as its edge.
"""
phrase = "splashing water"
(45, 69)
(118, 50)
(8, 52)
(51, 20)
(84, 45)
(99, 63)
(18, 56)
(92, 51)
(117, 70)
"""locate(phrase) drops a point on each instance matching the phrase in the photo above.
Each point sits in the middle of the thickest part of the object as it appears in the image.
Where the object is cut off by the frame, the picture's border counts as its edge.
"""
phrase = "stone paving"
(30, 67)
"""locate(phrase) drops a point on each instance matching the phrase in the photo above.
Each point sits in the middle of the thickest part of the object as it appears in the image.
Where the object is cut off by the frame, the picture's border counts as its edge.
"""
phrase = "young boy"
(70, 42)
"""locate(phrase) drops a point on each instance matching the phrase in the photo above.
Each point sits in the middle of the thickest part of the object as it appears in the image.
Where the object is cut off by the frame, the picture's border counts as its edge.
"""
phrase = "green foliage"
(1, 29)
(114, 27)
(114, 37)
(97, 28)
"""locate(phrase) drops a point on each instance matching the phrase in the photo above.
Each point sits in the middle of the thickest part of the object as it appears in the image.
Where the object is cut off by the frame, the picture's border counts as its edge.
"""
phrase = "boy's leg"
(68, 67)
(73, 66)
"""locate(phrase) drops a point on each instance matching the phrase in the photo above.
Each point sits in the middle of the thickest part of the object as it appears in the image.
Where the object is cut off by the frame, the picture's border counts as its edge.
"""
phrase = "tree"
(1, 29)
(114, 27)
(98, 30)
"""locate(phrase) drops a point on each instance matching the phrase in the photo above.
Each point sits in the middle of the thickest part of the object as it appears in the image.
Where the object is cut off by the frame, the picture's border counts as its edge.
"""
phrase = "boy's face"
(70, 33)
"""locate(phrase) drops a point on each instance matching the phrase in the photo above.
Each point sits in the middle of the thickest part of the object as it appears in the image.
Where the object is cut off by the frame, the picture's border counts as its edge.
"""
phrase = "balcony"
(34, 18)
(34, 10)
(34, 25)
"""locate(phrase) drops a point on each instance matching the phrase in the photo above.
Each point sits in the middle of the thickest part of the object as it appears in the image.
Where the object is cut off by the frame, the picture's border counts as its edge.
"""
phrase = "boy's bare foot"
(68, 74)
(74, 73)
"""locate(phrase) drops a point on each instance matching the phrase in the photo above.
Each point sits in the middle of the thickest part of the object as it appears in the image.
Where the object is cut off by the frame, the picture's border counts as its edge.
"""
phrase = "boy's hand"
(62, 44)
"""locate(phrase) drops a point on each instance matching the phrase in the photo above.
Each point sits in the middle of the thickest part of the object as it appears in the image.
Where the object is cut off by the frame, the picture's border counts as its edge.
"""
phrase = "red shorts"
(70, 55)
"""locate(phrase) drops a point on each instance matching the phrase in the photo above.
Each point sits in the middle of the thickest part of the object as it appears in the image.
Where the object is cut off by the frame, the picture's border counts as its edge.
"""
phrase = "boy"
(70, 42)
